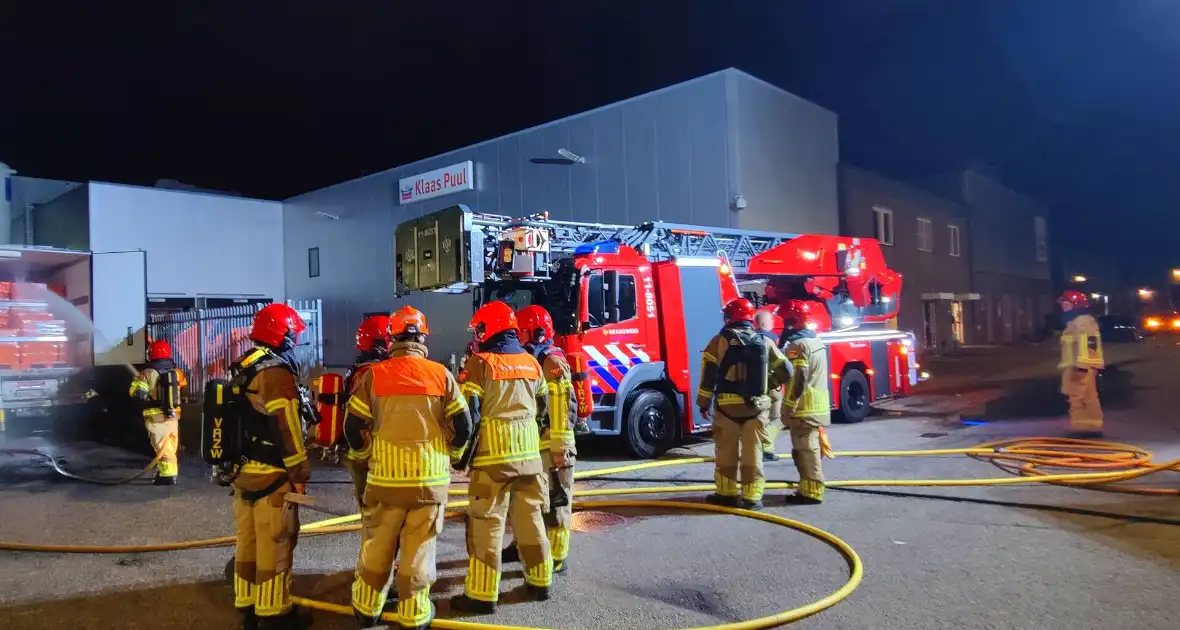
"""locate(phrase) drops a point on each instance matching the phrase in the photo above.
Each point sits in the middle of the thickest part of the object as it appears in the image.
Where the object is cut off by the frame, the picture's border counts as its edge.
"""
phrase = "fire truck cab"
(635, 306)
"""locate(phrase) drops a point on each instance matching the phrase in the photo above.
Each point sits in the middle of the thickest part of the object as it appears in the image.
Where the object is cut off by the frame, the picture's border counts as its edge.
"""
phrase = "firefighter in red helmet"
(157, 388)
(739, 368)
(1081, 360)
(505, 388)
(276, 465)
(408, 418)
(807, 405)
(372, 344)
(556, 422)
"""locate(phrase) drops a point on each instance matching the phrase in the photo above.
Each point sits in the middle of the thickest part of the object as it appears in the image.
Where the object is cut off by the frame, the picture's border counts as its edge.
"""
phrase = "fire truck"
(636, 305)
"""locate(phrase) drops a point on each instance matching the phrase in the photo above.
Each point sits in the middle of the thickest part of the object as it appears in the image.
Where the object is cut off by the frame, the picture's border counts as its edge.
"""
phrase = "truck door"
(118, 298)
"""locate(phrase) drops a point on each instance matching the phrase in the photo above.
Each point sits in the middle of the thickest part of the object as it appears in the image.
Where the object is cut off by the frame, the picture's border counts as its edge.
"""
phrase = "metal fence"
(205, 342)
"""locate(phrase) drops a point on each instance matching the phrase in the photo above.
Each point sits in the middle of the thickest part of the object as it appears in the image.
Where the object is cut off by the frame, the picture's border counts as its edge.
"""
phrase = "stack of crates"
(31, 334)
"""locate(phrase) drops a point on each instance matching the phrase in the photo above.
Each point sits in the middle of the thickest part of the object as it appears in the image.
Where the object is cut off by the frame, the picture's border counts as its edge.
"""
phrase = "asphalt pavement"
(933, 558)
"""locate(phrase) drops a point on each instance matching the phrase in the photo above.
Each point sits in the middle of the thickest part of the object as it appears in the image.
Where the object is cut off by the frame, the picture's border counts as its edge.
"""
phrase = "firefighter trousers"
(805, 452)
(358, 471)
(739, 450)
(522, 500)
(267, 530)
(389, 530)
(559, 520)
(774, 422)
(164, 434)
(1085, 410)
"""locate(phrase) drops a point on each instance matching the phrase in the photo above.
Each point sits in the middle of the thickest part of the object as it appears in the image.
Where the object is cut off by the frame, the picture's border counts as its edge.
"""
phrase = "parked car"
(1119, 329)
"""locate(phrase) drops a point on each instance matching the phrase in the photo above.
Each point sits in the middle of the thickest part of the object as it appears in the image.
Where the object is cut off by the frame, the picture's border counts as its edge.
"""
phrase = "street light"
(1146, 294)
(1080, 278)
(1176, 275)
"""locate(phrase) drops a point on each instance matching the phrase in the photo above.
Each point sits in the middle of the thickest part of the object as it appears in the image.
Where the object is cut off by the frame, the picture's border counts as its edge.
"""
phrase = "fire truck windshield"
(558, 295)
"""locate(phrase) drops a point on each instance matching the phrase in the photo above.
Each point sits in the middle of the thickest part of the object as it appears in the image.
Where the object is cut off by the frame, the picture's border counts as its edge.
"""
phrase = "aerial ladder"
(454, 250)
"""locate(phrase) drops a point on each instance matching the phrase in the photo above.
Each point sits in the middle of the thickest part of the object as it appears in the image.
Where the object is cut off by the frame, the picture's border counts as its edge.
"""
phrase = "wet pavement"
(933, 557)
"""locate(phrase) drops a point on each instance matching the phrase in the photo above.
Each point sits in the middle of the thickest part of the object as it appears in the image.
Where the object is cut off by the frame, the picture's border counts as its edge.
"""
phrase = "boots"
(537, 593)
(769, 456)
(464, 604)
(747, 504)
(293, 620)
(722, 500)
(370, 622)
(249, 619)
(798, 499)
(163, 481)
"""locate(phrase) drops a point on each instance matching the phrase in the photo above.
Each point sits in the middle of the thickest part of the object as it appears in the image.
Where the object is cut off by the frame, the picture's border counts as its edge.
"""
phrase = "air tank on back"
(5, 203)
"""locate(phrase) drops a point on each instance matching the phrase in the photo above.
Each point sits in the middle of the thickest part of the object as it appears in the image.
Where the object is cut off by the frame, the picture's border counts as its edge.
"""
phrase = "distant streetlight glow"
(1146, 294)
(1079, 278)
(1175, 275)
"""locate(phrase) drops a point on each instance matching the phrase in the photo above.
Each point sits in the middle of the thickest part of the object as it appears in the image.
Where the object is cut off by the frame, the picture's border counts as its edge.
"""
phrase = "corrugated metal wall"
(661, 156)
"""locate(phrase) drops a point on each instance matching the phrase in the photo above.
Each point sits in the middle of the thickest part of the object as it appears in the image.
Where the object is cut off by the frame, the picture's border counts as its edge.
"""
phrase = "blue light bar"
(597, 247)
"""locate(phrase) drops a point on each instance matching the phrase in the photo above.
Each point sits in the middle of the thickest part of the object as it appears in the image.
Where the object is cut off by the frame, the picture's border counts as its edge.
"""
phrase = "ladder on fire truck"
(657, 240)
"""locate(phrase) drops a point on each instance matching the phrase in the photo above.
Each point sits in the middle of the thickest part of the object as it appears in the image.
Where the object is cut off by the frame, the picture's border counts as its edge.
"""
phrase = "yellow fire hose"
(1031, 460)
(56, 465)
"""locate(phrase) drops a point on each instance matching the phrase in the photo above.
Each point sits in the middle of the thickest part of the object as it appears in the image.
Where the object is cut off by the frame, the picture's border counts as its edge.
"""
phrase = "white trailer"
(103, 304)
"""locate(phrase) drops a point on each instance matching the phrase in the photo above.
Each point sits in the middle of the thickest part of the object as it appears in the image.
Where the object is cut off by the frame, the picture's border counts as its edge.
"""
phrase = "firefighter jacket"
(744, 405)
(560, 411)
(151, 391)
(506, 387)
(1081, 343)
(807, 394)
(273, 394)
(408, 419)
(351, 378)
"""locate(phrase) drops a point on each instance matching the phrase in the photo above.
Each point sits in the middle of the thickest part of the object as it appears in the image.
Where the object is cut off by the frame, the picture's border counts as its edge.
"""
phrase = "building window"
(1042, 234)
(313, 262)
(953, 233)
(925, 235)
(884, 225)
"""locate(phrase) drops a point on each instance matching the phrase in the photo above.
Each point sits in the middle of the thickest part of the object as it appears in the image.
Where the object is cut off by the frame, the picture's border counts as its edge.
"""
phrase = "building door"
(958, 328)
(929, 319)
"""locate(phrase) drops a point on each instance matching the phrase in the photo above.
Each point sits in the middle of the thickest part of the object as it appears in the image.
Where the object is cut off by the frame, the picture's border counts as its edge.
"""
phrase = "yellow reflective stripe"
(455, 407)
(540, 575)
(471, 389)
(726, 487)
(274, 596)
(366, 599)
(456, 453)
(415, 610)
(360, 408)
(294, 460)
(139, 386)
(507, 441)
(413, 464)
(708, 357)
(483, 582)
(811, 488)
(559, 543)
(258, 468)
(275, 405)
(295, 425)
(753, 491)
(359, 455)
(730, 399)
(704, 393)
(559, 408)
(244, 592)
(799, 362)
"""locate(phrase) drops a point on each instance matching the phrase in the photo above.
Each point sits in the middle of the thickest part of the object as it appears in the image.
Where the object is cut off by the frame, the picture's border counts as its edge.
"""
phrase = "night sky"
(1073, 101)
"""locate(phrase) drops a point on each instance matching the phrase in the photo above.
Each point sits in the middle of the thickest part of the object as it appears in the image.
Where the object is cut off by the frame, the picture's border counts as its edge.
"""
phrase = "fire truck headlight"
(847, 321)
(1153, 322)
(1176, 323)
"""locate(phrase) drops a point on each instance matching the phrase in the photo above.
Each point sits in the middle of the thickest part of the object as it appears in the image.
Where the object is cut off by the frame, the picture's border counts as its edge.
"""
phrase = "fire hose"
(1032, 460)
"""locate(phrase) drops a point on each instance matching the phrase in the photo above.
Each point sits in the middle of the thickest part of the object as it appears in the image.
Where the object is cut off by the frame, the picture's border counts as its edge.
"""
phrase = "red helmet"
(159, 349)
(739, 310)
(1077, 298)
(535, 323)
(795, 314)
(273, 322)
(374, 330)
(408, 321)
(492, 319)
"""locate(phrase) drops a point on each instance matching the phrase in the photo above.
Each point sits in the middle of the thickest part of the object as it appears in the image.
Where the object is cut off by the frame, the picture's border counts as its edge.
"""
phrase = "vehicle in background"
(636, 305)
(69, 322)
(1161, 323)
(1119, 329)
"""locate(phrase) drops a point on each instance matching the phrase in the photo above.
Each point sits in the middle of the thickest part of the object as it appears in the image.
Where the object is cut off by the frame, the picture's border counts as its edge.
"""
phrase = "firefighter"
(276, 464)
(408, 421)
(558, 449)
(807, 405)
(505, 388)
(157, 388)
(764, 322)
(1081, 359)
(372, 344)
(739, 369)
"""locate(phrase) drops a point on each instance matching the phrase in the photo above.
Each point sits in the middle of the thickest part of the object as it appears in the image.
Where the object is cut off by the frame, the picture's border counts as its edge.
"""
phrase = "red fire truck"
(638, 304)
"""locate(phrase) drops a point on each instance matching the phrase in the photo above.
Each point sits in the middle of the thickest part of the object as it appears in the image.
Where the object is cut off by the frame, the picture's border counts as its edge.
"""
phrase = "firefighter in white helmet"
(1081, 359)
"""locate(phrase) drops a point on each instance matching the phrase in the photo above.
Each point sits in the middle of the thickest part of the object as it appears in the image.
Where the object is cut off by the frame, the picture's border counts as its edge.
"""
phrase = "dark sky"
(1074, 101)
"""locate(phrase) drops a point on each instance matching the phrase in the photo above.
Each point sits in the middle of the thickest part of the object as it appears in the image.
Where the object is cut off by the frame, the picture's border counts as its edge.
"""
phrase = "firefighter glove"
(825, 447)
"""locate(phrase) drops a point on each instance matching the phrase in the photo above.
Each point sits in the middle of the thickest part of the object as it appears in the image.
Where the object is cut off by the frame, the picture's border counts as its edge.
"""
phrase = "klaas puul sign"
(436, 183)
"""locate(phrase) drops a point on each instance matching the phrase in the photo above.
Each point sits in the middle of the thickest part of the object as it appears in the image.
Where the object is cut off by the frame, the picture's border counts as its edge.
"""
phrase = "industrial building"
(725, 150)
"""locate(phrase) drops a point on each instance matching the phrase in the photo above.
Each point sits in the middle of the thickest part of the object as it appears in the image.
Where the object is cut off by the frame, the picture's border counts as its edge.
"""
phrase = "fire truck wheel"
(650, 427)
(855, 401)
